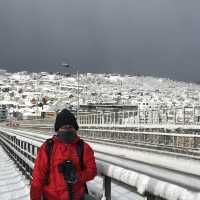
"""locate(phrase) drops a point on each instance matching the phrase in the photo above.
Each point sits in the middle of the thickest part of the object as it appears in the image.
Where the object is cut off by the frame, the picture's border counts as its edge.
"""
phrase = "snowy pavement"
(12, 184)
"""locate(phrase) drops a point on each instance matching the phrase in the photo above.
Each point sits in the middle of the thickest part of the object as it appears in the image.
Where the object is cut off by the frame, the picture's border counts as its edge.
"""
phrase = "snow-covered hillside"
(48, 91)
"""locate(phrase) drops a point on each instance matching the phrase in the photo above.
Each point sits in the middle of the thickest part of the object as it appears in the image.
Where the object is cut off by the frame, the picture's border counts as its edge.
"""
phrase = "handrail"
(144, 184)
(186, 142)
(185, 115)
(23, 151)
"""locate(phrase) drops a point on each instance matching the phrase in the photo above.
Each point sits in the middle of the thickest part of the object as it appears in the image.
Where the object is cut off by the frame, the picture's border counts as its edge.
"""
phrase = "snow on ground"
(12, 183)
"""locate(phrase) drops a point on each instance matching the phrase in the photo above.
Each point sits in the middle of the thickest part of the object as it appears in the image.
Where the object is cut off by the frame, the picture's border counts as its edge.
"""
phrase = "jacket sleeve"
(89, 165)
(39, 174)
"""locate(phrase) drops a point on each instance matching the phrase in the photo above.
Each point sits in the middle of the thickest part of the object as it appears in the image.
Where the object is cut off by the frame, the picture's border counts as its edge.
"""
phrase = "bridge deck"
(12, 184)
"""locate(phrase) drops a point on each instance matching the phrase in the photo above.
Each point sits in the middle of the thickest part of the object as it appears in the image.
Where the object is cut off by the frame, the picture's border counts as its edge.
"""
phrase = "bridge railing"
(189, 143)
(23, 151)
(185, 115)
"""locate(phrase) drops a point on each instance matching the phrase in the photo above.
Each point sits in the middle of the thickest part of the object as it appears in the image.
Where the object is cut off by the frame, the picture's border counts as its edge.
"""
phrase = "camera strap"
(70, 190)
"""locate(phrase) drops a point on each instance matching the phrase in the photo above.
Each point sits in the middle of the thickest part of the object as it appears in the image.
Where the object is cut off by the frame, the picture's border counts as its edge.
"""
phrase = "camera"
(68, 171)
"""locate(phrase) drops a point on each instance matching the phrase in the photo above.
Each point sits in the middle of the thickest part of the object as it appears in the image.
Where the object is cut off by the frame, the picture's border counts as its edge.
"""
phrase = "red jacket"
(57, 188)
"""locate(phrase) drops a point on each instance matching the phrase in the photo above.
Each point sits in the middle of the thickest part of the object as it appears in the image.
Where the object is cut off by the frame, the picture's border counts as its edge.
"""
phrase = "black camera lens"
(67, 169)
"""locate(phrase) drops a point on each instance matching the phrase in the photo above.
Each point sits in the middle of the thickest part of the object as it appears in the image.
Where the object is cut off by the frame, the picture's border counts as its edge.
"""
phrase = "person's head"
(65, 120)
(66, 126)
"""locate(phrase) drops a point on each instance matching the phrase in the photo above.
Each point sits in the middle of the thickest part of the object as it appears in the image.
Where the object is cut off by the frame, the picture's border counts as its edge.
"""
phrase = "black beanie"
(65, 117)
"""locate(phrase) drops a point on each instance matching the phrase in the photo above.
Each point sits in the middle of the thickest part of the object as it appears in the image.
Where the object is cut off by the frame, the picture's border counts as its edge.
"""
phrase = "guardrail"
(186, 115)
(175, 115)
(178, 138)
(176, 142)
(23, 151)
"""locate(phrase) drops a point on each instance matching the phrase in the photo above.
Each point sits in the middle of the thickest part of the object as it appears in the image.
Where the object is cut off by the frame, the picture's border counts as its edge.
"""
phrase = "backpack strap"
(49, 148)
(80, 151)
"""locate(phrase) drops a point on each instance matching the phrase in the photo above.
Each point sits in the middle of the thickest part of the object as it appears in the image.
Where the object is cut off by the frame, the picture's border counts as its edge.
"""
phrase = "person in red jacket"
(64, 150)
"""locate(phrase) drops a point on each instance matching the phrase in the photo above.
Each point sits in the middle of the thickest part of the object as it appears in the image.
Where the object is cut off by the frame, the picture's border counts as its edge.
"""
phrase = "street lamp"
(77, 77)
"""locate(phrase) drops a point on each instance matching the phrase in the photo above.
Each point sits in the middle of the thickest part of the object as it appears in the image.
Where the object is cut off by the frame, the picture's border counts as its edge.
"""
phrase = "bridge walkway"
(12, 184)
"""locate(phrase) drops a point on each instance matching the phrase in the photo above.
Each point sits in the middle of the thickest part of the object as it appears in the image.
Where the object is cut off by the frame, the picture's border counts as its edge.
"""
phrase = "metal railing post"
(107, 187)
(152, 197)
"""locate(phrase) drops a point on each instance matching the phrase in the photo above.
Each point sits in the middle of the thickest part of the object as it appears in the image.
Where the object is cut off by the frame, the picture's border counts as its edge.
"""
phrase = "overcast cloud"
(151, 37)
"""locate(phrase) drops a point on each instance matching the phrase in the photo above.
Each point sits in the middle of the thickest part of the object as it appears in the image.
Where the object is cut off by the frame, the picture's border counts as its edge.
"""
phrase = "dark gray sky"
(152, 37)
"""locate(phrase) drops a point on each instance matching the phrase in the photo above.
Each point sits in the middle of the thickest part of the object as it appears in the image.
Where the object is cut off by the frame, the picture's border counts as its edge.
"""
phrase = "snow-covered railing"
(153, 189)
(23, 151)
(185, 143)
(186, 115)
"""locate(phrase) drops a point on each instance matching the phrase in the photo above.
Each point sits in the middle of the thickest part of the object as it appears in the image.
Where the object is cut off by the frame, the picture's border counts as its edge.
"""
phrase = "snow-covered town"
(144, 131)
(30, 94)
